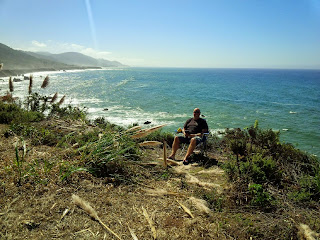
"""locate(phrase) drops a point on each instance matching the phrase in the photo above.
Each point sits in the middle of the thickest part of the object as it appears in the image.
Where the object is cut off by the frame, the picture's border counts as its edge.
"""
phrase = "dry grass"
(146, 132)
(11, 89)
(54, 98)
(92, 213)
(45, 82)
(44, 210)
(30, 83)
(305, 233)
(62, 100)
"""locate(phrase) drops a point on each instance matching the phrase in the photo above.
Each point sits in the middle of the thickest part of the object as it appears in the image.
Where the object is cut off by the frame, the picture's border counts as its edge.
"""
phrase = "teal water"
(285, 100)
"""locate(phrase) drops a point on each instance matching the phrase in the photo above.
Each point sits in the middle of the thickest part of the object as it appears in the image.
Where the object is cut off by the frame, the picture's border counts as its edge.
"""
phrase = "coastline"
(297, 132)
(19, 72)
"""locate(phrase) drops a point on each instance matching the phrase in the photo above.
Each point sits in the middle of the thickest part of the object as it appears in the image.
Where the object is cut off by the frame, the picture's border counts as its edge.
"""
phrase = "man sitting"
(193, 131)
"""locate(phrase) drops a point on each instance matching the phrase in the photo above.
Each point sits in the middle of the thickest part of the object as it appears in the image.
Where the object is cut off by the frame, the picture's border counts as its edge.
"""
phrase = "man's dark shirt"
(195, 126)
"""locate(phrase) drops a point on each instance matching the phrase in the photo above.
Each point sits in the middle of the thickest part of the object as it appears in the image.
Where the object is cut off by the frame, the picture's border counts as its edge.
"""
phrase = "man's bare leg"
(191, 147)
(175, 147)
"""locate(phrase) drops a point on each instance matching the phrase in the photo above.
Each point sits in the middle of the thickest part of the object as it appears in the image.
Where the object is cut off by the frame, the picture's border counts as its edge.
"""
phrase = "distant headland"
(17, 62)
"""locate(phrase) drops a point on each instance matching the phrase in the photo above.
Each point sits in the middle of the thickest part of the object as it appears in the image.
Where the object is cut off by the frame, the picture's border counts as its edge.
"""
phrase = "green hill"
(18, 60)
(75, 58)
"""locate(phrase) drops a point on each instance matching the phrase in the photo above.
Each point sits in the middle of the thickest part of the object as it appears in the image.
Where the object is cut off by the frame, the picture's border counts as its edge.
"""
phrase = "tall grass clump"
(20, 160)
(109, 156)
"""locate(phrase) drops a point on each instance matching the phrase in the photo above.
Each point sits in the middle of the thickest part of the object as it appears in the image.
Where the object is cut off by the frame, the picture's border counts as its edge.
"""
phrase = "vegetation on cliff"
(268, 189)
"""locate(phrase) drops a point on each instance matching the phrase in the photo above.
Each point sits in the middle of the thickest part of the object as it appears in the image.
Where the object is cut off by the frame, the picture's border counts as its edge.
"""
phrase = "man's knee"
(176, 139)
(193, 141)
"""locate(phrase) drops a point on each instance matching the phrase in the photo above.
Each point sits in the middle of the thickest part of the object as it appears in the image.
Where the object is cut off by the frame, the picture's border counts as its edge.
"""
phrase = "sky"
(170, 33)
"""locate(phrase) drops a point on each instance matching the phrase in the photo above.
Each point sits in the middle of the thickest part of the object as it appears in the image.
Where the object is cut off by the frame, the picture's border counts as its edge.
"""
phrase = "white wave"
(127, 121)
(218, 132)
(79, 101)
(291, 112)
(44, 73)
(124, 82)
(287, 104)
(141, 86)
(95, 110)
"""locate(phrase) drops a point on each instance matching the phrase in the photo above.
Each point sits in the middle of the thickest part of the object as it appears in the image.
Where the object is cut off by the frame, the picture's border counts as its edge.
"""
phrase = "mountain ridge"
(15, 59)
(75, 58)
(16, 62)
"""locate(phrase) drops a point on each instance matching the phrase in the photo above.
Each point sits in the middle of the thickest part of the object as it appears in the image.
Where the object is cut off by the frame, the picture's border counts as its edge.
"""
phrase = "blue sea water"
(284, 100)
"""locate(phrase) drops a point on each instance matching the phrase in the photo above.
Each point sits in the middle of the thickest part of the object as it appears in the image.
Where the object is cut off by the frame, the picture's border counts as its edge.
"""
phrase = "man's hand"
(186, 133)
(195, 135)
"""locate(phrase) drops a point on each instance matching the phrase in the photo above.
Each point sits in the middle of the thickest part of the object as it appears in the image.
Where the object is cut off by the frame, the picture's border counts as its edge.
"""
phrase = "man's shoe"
(186, 161)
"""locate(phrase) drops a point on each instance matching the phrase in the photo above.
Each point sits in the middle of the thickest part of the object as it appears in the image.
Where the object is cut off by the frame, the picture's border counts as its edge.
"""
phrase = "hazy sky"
(170, 33)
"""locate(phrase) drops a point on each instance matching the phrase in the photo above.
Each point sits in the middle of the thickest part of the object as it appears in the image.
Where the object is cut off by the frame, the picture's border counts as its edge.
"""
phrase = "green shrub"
(259, 196)
(261, 159)
(36, 103)
(231, 169)
(67, 112)
(214, 200)
(308, 189)
(38, 136)
(261, 170)
(13, 113)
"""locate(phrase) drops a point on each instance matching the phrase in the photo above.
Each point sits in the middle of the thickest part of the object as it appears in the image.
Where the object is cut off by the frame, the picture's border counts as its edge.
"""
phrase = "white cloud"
(38, 44)
(76, 47)
(131, 61)
(96, 54)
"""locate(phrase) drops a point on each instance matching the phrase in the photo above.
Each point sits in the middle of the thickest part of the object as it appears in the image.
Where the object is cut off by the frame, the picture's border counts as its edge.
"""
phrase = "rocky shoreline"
(18, 72)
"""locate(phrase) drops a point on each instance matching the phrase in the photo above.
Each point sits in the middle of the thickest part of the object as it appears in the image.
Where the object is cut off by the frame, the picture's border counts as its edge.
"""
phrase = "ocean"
(284, 100)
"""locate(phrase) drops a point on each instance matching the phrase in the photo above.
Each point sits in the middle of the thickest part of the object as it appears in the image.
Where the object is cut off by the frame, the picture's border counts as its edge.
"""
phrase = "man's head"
(196, 113)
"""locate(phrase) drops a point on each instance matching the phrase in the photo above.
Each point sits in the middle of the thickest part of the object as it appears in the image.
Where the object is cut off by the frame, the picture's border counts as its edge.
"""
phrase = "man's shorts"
(184, 139)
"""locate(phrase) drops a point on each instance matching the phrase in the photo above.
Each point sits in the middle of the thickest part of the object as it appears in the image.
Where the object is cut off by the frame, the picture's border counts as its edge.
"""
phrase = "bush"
(261, 170)
(260, 159)
(67, 112)
(259, 196)
(36, 103)
(215, 201)
(308, 189)
(13, 113)
(38, 136)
